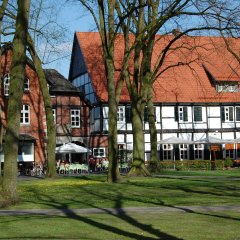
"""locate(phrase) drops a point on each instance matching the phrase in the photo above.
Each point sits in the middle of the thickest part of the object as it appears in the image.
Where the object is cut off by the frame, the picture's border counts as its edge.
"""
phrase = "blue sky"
(67, 13)
(76, 20)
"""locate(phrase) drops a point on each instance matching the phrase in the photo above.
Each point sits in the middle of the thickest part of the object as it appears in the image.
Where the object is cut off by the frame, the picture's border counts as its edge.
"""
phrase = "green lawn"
(234, 172)
(164, 226)
(93, 192)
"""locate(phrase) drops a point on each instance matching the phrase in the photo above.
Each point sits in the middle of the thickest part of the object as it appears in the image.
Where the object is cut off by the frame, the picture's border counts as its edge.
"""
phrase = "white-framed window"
(184, 153)
(26, 85)
(228, 114)
(198, 151)
(75, 118)
(25, 115)
(167, 151)
(6, 84)
(99, 152)
(227, 87)
(54, 115)
(121, 114)
(220, 87)
(232, 88)
(183, 114)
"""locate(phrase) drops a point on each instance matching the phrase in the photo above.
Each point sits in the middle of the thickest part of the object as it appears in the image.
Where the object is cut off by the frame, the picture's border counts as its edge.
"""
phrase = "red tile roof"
(201, 59)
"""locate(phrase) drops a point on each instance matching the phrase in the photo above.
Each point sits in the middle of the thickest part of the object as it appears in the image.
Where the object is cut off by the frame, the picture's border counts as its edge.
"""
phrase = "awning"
(175, 140)
(72, 148)
(213, 140)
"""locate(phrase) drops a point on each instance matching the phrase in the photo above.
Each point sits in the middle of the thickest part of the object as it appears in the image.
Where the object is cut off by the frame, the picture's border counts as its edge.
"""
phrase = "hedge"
(186, 165)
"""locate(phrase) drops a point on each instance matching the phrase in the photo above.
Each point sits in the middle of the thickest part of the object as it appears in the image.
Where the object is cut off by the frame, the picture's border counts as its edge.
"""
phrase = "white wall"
(168, 112)
(120, 138)
(228, 135)
(169, 123)
(213, 111)
(214, 123)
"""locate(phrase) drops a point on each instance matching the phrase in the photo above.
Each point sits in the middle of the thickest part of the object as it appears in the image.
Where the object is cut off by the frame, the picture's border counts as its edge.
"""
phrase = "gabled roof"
(199, 59)
(58, 83)
(9, 47)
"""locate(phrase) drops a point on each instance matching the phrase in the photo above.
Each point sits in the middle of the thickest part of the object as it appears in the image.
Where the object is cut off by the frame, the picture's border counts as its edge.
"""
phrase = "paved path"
(58, 212)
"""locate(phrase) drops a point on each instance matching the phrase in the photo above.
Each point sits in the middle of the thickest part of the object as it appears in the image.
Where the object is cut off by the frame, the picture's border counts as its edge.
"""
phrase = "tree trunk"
(138, 166)
(1, 143)
(17, 71)
(51, 132)
(154, 163)
(2, 12)
(107, 33)
(113, 172)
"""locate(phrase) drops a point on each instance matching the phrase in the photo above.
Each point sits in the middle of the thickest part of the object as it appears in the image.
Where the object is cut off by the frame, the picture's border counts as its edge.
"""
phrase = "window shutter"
(223, 114)
(237, 113)
(185, 114)
(128, 114)
(145, 114)
(197, 114)
(176, 113)
(231, 114)
(191, 152)
(155, 114)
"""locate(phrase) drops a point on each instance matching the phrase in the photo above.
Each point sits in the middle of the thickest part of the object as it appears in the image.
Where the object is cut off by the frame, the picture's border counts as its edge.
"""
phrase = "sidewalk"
(59, 212)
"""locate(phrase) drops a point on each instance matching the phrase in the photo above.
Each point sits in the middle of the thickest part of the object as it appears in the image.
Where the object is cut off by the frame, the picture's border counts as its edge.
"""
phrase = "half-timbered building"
(197, 102)
(69, 108)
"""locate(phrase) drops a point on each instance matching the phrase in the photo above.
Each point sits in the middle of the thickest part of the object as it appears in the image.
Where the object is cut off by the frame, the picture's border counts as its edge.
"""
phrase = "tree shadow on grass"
(161, 203)
(118, 213)
(187, 210)
(223, 189)
(145, 227)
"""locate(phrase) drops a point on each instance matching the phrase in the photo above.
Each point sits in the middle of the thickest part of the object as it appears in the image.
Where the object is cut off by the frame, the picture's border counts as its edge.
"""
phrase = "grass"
(234, 172)
(93, 192)
(165, 226)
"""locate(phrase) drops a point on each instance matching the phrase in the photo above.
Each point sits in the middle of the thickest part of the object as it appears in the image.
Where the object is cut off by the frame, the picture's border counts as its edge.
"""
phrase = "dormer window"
(227, 87)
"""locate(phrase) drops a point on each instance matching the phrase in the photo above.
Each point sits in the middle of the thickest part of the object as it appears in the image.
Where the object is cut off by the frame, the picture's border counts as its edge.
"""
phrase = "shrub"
(187, 165)
(228, 162)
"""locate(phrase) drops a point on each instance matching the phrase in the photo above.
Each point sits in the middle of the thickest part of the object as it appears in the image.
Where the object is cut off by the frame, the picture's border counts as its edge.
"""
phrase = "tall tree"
(107, 27)
(162, 17)
(51, 133)
(18, 73)
(44, 31)
(2, 12)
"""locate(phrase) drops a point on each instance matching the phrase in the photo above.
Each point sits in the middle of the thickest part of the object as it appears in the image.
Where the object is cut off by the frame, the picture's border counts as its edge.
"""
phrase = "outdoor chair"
(78, 168)
(85, 168)
(72, 168)
(124, 167)
(61, 169)
(105, 166)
